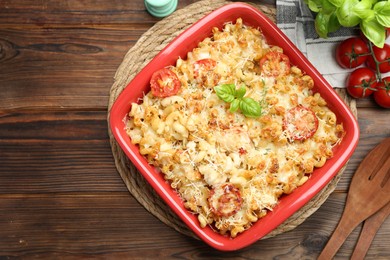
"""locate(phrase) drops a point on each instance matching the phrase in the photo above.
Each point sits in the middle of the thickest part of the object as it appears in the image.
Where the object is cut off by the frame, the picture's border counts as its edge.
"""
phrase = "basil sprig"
(248, 106)
(373, 17)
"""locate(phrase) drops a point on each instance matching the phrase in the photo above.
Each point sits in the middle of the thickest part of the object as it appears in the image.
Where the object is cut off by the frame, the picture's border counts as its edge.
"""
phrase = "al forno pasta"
(232, 127)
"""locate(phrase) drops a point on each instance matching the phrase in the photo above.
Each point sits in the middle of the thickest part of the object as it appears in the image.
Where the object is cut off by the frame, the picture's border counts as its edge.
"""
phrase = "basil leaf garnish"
(248, 106)
(226, 92)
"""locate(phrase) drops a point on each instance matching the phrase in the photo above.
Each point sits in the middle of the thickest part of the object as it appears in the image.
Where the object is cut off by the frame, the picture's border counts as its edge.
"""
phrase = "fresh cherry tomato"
(275, 64)
(300, 123)
(351, 52)
(164, 83)
(382, 94)
(382, 55)
(225, 200)
(361, 82)
(203, 66)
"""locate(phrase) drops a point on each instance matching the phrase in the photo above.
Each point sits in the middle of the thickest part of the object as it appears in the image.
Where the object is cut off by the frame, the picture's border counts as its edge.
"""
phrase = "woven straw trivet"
(150, 43)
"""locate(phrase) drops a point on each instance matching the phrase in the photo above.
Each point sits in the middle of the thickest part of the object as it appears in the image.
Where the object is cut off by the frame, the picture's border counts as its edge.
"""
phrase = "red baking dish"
(179, 47)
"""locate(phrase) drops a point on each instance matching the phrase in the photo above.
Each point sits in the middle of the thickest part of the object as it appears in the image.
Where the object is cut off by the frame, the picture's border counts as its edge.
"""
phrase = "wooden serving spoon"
(368, 192)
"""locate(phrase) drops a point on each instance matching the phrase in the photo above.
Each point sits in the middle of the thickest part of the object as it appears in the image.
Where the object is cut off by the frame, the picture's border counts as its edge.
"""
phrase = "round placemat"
(150, 43)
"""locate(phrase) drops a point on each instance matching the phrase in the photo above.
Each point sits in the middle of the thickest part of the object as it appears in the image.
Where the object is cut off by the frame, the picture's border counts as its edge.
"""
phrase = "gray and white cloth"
(296, 20)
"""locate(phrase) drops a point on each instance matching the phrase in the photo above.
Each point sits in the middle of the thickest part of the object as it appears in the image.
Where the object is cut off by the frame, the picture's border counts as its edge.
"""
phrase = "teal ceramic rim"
(161, 10)
(158, 3)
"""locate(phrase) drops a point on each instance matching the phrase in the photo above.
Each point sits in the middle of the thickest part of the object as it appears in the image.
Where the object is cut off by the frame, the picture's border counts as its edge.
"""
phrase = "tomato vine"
(363, 81)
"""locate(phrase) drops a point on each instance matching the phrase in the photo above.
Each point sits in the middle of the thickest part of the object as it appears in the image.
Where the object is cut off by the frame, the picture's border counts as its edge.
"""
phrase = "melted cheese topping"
(198, 144)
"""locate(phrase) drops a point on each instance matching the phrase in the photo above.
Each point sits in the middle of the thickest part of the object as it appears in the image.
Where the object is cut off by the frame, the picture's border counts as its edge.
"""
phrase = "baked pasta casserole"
(232, 127)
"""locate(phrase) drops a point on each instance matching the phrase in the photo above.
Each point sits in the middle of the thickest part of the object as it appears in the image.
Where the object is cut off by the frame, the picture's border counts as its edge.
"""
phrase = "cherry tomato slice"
(275, 64)
(164, 83)
(300, 123)
(201, 67)
(349, 53)
(225, 200)
(361, 82)
(382, 55)
(382, 94)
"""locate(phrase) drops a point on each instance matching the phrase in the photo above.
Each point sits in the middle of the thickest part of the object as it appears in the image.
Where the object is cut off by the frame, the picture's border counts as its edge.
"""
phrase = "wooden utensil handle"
(347, 223)
(370, 227)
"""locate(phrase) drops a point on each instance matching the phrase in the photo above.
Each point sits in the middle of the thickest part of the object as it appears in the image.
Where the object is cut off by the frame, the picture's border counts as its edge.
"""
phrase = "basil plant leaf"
(328, 7)
(337, 3)
(250, 107)
(321, 24)
(363, 9)
(346, 14)
(314, 5)
(373, 2)
(333, 23)
(226, 92)
(382, 13)
(374, 31)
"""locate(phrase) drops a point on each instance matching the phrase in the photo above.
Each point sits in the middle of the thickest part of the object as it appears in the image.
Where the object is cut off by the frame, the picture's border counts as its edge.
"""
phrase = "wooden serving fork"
(367, 234)
(369, 191)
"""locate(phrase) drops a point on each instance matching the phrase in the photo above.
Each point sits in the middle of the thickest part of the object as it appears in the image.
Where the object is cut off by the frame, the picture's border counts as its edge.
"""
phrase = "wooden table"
(60, 193)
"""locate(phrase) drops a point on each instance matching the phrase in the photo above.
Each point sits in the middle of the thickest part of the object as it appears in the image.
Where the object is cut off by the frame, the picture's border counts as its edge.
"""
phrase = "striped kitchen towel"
(296, 20)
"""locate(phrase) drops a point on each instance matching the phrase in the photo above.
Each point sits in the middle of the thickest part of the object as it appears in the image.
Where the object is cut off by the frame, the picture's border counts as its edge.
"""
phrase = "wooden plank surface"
(113, 225)
(60, 193)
